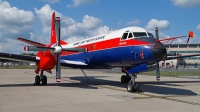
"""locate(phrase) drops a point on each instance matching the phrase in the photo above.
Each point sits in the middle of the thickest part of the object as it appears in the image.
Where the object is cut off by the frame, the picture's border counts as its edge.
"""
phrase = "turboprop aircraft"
(132, 48)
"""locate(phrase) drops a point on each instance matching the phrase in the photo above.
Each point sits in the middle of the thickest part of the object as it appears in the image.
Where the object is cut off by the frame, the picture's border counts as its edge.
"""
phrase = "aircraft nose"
(159, 51)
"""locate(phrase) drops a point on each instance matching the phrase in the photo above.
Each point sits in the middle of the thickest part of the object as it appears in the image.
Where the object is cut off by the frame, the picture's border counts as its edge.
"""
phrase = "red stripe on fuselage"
(108, 44)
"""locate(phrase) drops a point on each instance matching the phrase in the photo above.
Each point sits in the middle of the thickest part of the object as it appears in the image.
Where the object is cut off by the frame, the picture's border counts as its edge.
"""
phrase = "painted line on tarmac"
(147, 96)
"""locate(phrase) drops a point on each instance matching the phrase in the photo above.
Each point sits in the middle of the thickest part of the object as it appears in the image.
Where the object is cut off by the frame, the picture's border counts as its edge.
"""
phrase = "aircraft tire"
(37, 80)
(133, 87)
(123, 79)
(44, 80)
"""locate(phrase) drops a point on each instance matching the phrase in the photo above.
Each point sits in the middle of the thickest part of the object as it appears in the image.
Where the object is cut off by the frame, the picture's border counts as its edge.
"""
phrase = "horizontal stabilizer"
(30, 42)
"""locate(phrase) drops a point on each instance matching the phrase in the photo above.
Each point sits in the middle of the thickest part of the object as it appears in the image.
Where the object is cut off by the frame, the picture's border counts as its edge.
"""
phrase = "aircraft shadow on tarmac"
(75, 85)
(168, 87)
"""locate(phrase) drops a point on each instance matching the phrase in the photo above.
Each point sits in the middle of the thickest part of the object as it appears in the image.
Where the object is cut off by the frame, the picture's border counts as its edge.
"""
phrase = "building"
(183, 49)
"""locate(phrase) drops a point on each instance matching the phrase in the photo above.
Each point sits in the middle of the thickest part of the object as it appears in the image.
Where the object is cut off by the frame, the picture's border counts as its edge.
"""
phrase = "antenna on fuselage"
(112, 30)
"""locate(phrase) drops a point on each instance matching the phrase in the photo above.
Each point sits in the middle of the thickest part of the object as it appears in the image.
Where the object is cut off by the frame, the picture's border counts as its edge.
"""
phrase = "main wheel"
(123, 79)
(133, 87)
(37, 80)
(44, 80)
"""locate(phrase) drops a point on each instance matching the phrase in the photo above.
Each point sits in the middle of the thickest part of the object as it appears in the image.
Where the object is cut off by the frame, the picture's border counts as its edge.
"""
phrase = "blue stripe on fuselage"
(116, 57)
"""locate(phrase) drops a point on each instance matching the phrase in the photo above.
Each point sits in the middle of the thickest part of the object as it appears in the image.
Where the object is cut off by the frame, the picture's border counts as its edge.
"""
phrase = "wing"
(15, 57)
(177, 57)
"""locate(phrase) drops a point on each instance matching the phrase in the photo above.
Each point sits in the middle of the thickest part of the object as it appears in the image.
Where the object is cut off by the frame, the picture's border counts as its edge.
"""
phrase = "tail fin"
(53, 31)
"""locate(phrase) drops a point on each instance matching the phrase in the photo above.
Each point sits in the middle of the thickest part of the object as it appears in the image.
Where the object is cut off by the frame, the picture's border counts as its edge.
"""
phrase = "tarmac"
(100, 92)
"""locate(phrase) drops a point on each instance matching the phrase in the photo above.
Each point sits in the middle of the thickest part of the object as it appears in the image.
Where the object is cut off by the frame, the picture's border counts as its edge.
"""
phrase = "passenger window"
(124, 36)
(130, 35)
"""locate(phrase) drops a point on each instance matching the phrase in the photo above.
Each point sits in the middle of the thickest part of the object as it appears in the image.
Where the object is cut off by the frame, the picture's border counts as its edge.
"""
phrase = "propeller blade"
(157, 64)
(156, 33)
(157, 71)
(35, 48)
(58, 69)
(57, 27)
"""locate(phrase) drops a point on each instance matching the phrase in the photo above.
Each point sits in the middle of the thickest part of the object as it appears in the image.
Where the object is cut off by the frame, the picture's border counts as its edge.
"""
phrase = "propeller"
(58, 49)
(157, 64)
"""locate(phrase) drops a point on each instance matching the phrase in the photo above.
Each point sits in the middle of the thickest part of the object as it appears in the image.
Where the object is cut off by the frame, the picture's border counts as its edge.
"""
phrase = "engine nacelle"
(47, 60)
(150, 68)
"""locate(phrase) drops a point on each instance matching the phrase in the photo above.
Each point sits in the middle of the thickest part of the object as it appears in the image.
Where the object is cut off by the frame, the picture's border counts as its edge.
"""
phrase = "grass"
(175, 73)
(163, 72)
(18, 67)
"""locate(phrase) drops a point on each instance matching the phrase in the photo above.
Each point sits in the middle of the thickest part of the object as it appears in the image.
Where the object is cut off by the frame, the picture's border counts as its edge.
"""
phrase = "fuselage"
(121, 48)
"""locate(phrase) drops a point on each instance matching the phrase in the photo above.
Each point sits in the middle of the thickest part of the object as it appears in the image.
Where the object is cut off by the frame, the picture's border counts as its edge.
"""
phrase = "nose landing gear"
(42, 78)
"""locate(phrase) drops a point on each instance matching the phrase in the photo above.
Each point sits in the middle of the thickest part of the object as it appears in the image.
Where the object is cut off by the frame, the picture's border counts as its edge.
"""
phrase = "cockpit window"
(150, 35)
(124, 36)
(139, 34)
(130, 35)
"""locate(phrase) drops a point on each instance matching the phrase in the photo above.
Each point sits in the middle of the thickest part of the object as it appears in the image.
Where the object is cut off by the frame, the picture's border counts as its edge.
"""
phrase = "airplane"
(133, 49)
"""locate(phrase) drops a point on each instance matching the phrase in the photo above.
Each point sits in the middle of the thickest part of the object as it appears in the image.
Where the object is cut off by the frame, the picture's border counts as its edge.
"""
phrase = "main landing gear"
(42, 78)
(130, 79)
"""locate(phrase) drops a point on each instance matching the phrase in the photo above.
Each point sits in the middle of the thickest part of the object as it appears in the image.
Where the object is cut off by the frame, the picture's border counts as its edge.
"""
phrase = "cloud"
(51, 1)
(80, 2)
(11, 46)
(133, 22)
(90, 26)
(161, 24)
(186, 3)
(14, 21)
(198, 27)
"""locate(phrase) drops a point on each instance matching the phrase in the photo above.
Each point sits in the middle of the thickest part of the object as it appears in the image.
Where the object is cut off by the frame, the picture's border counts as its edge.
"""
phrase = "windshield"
(139, 34)
(150, 35)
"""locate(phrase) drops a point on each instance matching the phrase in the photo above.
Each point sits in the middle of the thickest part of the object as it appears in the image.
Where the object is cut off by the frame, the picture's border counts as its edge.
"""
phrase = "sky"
(31, 19)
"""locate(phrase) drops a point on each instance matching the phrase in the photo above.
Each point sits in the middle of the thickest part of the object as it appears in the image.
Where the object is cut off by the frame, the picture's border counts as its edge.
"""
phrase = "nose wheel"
(42, 78)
